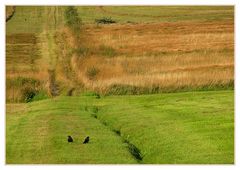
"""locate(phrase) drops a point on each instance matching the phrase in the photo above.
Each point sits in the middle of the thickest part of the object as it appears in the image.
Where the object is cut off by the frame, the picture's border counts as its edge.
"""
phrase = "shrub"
(21, 89)
(105, 20)
(92, 73)
(28, 94)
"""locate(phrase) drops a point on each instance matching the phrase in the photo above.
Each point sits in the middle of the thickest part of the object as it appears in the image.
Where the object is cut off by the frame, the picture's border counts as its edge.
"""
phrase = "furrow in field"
(136, 153)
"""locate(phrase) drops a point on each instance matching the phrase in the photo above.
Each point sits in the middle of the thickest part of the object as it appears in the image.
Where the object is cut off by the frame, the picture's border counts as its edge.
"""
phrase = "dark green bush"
(28, 93)
(105, 20)
(92, 73)
(23, 89)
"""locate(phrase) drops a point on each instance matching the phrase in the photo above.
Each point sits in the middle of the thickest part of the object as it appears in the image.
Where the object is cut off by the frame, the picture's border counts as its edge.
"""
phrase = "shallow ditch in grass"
(135, 152)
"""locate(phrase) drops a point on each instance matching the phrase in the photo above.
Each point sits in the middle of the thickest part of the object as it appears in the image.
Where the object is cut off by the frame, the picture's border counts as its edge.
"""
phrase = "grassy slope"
(175, 128)
(35, 16)
(39, 135)
(142, 14)
(192, 127)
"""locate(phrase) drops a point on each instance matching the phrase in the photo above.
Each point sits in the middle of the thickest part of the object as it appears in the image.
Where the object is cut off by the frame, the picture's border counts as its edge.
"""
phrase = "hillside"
(166, 129)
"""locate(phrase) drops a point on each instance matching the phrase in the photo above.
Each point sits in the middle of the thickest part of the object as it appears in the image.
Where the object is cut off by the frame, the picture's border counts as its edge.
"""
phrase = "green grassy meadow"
(31, 19)
(178, 128)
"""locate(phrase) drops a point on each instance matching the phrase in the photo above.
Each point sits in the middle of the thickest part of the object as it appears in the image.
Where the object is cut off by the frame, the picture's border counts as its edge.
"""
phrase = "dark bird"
(86, 140)
(70, 139)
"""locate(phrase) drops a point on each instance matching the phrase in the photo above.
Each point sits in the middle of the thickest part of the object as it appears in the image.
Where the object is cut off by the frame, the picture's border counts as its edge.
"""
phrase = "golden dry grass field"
(170, 56)
(143, 52)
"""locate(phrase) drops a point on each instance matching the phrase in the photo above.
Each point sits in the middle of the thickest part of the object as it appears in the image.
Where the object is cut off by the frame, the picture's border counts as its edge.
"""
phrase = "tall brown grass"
(130, 58)
(167, 56)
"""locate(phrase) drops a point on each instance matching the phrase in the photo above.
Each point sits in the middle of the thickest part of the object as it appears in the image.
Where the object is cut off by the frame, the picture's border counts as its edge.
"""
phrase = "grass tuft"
(107, 51)
(92, 73)
(105, 20)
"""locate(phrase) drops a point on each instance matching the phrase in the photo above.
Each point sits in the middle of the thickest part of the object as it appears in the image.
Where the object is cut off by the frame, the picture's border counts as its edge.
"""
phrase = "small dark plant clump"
(94, 115)
(92, 73)
(105, 20)
(28, 93)
(98, 96)
(27, 89)
(95, 109)
(117, 132)
(107, 51)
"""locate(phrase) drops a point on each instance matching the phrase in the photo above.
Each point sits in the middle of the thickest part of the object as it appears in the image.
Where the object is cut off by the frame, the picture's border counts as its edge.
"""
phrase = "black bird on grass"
(86, 140)
(70, 139)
